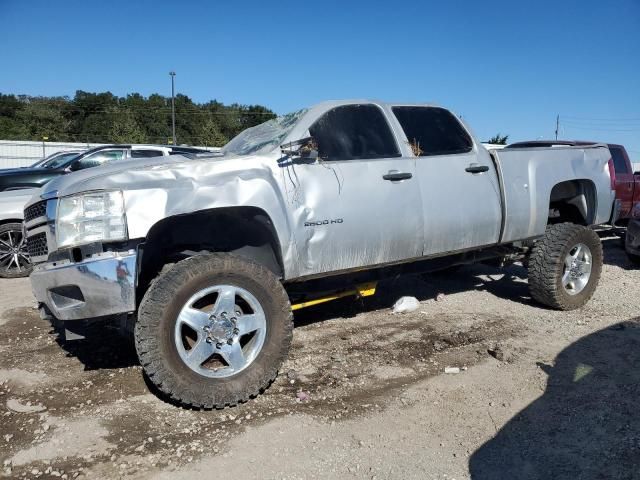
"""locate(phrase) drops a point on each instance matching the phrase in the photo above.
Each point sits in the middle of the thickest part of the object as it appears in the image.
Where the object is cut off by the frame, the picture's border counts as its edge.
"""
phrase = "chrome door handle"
(476, 168)
(395, 175)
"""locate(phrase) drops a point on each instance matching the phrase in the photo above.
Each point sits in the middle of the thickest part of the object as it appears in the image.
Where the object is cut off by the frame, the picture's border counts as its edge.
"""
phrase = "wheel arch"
(245, 231)
(574, 201)
(5, 221)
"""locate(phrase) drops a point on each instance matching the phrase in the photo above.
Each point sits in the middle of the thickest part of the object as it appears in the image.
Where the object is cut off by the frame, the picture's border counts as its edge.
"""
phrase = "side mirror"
(305, 148)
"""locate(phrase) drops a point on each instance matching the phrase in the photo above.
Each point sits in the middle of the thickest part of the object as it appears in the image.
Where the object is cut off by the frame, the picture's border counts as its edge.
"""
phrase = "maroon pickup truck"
(625, 183)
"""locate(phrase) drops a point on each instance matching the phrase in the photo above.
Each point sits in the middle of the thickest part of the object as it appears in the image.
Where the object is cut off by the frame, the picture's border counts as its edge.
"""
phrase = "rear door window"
(433, 131)
(619, 162)
(354, 132)
(98, 158)
(138, 153)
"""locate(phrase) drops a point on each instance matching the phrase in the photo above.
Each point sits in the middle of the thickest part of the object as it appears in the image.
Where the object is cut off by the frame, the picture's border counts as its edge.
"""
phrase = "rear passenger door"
(458, 183)
(359, 203)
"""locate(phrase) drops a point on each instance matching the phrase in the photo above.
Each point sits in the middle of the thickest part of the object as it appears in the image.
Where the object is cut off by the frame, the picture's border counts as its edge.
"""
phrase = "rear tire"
(167, 344)
(565, 266)
(14, 258)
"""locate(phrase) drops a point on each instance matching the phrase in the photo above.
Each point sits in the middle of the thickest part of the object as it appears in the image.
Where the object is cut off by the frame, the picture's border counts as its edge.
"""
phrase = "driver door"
(359, 204)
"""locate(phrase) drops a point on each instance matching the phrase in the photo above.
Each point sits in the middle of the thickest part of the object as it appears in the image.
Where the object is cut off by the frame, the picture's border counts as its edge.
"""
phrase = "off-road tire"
(158, 312)
(26, 271)
(547, 262)
(635, 259)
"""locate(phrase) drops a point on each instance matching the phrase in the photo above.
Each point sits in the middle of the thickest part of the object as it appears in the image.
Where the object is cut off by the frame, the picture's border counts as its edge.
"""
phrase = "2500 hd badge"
(319, 223)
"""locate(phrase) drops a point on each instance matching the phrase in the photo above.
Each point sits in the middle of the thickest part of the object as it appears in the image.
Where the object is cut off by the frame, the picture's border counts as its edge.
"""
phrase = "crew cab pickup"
(207, 255)
(623, 180)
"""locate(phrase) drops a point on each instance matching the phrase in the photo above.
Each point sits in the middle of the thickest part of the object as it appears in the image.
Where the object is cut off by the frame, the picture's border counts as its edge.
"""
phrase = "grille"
(37, 245)
(36, 210)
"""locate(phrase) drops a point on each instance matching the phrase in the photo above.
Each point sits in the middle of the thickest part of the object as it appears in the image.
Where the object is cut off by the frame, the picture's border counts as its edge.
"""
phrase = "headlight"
(91, 217)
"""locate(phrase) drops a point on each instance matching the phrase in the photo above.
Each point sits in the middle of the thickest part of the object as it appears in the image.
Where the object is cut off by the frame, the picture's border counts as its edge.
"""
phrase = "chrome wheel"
(14, 257)
(220, 331)
(577, 269)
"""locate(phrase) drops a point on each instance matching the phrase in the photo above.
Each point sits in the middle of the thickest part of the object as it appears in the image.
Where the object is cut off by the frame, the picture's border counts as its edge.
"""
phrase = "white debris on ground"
(356, 386)
(406, 304)
(454, 369)
(28, 407)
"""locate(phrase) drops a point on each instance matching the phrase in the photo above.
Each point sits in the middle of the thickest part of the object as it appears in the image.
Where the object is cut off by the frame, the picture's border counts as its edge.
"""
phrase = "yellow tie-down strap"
(362, 290)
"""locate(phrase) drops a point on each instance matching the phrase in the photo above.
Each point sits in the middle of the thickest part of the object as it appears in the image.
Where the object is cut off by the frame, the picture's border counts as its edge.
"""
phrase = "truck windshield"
(264, 137)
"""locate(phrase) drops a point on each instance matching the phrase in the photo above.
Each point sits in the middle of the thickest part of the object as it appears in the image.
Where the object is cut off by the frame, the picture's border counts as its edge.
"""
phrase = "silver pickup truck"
(207, 256)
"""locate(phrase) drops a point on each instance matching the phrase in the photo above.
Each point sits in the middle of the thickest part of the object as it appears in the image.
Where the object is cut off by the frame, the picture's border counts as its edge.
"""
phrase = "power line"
(600, 129)
(601, 119)
(166, 110)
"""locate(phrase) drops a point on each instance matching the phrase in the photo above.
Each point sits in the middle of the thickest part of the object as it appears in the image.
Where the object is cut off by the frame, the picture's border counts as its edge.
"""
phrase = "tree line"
(107, 118)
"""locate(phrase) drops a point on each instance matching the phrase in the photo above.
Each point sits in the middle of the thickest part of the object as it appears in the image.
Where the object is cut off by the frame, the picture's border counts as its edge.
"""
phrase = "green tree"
(104, 117)
(125, 129)
(209, 134)
(498, 139)
(41, 118)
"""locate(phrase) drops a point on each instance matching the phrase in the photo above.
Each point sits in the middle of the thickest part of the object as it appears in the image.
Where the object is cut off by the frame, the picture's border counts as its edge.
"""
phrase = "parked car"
(56, 158)
(14, 258)
(17, 178)
(627, 185)
(205, 257)
(20, 185)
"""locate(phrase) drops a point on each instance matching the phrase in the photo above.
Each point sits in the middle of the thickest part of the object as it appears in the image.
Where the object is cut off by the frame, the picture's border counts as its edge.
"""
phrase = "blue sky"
(505, 66)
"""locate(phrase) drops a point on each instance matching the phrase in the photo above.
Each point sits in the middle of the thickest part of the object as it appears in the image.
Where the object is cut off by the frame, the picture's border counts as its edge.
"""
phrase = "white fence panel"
(24, 153)
(15, 154)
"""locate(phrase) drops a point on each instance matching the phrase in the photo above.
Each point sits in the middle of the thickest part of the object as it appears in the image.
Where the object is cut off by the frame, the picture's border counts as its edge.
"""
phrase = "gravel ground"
(541, 394)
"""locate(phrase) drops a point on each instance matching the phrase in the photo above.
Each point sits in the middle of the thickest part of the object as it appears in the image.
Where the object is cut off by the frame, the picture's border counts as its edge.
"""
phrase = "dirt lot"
(544, 394)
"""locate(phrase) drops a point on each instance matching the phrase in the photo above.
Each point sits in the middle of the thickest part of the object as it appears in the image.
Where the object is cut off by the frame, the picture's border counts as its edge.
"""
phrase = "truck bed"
(532, 173)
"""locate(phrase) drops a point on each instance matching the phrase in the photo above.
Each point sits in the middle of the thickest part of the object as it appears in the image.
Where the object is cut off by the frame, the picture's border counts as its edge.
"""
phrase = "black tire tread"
(160, 294)
(547, 258)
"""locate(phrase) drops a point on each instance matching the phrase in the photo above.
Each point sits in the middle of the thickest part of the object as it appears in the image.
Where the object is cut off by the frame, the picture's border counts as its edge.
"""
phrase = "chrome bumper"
(99, 286)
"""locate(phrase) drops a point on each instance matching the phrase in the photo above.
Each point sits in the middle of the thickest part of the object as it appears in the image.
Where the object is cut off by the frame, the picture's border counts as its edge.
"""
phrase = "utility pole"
(557, 125)
(173, 107)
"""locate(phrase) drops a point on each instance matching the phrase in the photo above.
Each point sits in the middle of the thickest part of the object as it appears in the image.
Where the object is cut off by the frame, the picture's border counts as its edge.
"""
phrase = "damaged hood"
(121, 174)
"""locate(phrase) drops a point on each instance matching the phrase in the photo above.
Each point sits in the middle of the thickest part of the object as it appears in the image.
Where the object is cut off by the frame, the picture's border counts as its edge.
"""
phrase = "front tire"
(565, 266)
(213, 330)
(14, 258)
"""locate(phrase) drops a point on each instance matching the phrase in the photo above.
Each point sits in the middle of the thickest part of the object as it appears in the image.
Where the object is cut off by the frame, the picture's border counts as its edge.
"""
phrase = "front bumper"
(99, 286)
(632, 239)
